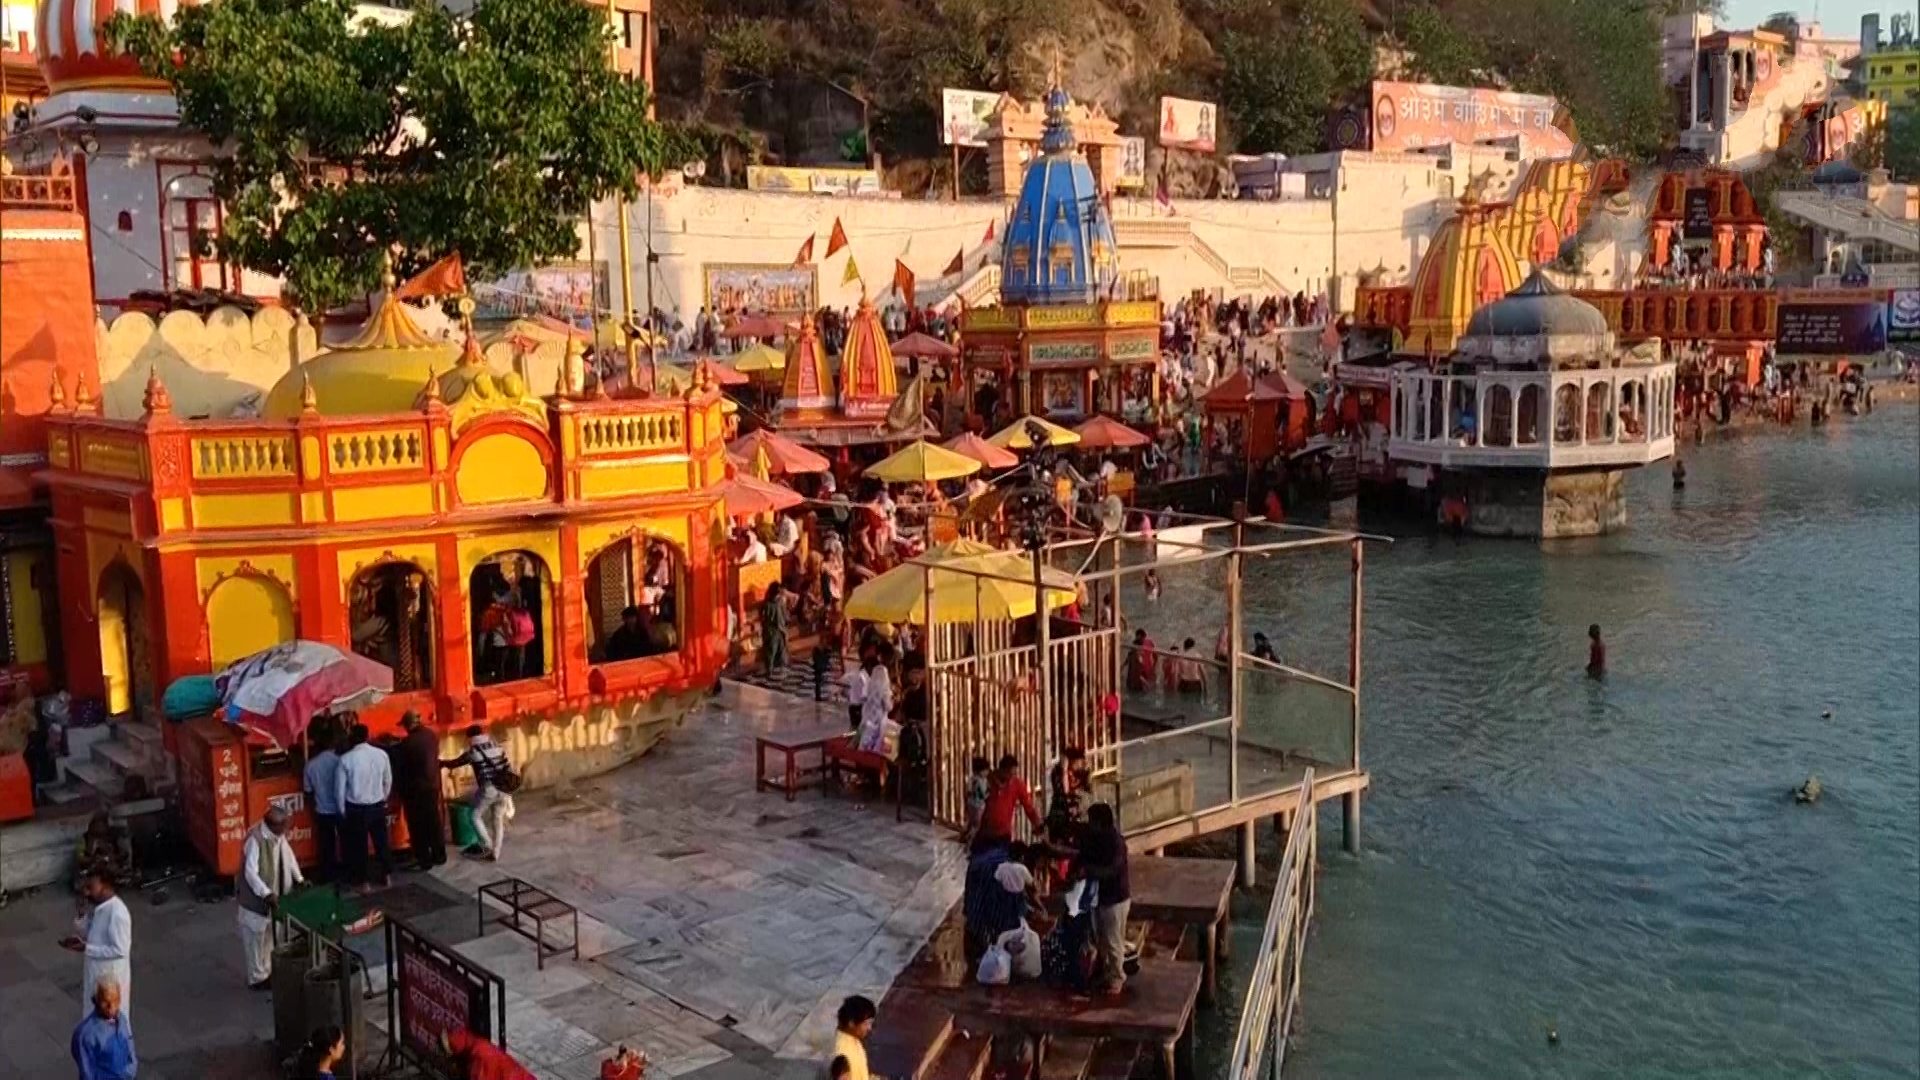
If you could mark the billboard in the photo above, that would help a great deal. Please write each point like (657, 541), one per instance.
(1410, 116)
(1133, 163)
(1831, 322)
(1188, 125)
(567, 291)
(767, 287)
(824, 180)
(1903, 317)
(964, 115)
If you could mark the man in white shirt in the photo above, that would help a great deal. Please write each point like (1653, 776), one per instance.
(105, 938)
(786, 536)
(856, 681)
(756, 551)
(268, 871)
(364, 784)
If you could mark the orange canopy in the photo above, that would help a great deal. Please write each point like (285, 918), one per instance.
(924, 347)
(745, 497)
(783, 455)
(1105, 431)
(1240, 391)
(982, 451)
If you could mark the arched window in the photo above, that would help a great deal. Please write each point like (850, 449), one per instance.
(1633, 411)
(1600, 412)
(508, 598)
(1436, 408)
(194, 221)
(1499, 430)
(1566, 413)
(634, 591)
(1466, 412)
(391, 619)
(1529, 434)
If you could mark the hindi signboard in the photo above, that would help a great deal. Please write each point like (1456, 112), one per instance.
(823, 180)
(437, 992)
(764, 287)
(1411, 116)
(1831, 322)
(1903, 317)
(1697, 218)
(965, 116)
(1188, 125)
(1133, 163)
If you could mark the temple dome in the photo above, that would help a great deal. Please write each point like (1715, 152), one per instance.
(807, 388)
(1467, 266)
(382, 370)
(868, 383)
(71, 45)
(1537, 322)
(1059, 246)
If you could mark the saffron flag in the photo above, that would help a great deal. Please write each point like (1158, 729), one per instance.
(903, 280)
(853, 272)
(837, 240)
(806, 252)
(958, 264)
(988, 239)
(444, 278)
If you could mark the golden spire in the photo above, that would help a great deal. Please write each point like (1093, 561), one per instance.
(156, 401)
(309, 400)
(430, 393)
(82, 397)
(58, 395)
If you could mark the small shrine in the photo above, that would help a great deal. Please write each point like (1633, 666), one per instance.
(858, 408)
(1016, 133)
(1710, 215)
(1071, 337)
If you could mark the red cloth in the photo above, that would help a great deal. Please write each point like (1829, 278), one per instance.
(1002, 801)
(484, 1060)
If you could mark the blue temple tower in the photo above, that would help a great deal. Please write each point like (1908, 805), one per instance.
(1072, 335)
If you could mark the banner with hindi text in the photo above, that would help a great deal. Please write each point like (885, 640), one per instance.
(1410, 116)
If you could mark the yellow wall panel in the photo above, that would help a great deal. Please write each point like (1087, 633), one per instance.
(501, 469)
(29, 632)
(595, 536)
(384, 501)
(245, 614)
(242, 511)
(644, 478)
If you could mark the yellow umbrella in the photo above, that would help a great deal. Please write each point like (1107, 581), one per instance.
(922, 462)
(960, 592)
(1014, 435)
(759, 358)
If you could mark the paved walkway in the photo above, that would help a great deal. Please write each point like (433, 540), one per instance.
(720, 927)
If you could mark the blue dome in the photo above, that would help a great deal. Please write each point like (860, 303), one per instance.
(1059, 246)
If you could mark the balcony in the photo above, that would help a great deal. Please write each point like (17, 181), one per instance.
(1605, 418)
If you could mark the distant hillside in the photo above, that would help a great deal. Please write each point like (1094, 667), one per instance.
(792, 74)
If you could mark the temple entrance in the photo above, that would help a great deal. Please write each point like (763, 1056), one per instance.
(508, 596)
(126, 646)
(634, 586)
(391, 620)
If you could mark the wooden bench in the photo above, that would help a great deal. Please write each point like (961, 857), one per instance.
(844, 756)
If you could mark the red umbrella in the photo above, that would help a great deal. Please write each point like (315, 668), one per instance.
(756, 326)
(723, 374)
(747, 497)
(277, 691)
(982, 451)
(926, 348)
(784, 456)
(1104, 431)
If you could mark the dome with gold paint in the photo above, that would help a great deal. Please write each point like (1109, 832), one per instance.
(381, 370)
(807, 388)
(1467, 267)
(868, 383)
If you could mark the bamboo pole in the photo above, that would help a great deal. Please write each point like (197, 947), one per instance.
(1350, 805)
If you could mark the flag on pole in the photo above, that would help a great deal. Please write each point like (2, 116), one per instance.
(448, 277)
(958, 264)
(853, 272)
(988, 239)
(806, 252)
(903, 280)
(837, 240)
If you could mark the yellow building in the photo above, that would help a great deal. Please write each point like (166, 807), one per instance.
(1894, 77)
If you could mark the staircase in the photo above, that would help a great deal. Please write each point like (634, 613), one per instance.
(1853, 219)
(100, 760)
(1173, 232)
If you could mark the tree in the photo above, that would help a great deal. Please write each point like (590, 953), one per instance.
(1900, 142)
(1284, 63)
(1442, 51)
(488, 133)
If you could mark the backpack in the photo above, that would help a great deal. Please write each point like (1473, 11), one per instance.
(506, 781)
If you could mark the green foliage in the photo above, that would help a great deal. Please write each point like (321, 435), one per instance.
(1441, 51)
(1900, 146)
(1284, 64)
(488, 134)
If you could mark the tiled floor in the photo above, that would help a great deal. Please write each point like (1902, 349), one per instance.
(720, 927)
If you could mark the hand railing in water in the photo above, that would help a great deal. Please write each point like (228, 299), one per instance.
(1273, 990)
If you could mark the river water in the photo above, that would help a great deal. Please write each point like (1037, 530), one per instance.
(1621, 861)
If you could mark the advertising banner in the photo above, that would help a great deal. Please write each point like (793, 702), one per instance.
(824, 180)
(1831, 322)
(1903, 317)
(1133, 163)
(1188, 125)
(564, 291)
(1409, 116)
(964, 115)
(764, 287)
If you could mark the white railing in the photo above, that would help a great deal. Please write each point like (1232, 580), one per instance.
(1849, 217)
(1273, 989)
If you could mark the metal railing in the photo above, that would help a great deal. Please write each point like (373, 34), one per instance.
(1273, 989)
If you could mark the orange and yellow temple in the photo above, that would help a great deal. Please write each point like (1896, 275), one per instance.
(395, 489)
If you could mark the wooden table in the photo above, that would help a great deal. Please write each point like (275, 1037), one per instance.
(1190, 892)
(789, 744)
(1156, 1007)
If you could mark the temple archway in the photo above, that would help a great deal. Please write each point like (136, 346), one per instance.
(126, 644)
(391, 619)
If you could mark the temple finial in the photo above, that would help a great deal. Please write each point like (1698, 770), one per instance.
(309, 400)
(156, 400)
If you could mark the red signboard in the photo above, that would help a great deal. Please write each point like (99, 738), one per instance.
(438, 993)
(1409, 116)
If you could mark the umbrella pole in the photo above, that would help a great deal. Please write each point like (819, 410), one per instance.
(1043, 631)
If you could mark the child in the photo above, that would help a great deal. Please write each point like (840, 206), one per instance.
(1153, 585)
(841, 1069)
(979, 785)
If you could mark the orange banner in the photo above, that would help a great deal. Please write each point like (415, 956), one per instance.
(1409, 116)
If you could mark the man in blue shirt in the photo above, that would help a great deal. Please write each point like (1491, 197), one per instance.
(321, 781)
(102, 1044)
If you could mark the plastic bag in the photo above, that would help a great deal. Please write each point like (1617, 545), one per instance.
(996, 967)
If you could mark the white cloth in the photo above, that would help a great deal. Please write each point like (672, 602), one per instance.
(108, 931)
(492, 809)
(857, 686)
(756, 552)
(875, 704)
(1012, 876)
(366, 778)
(1022, 946)
(256, 944)
(250, 864)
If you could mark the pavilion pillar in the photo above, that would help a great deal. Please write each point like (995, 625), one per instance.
(1248, 859)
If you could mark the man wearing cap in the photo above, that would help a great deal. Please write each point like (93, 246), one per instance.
(418, 781)
(268, 871)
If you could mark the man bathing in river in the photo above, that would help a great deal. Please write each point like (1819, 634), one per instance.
(1596, 653)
